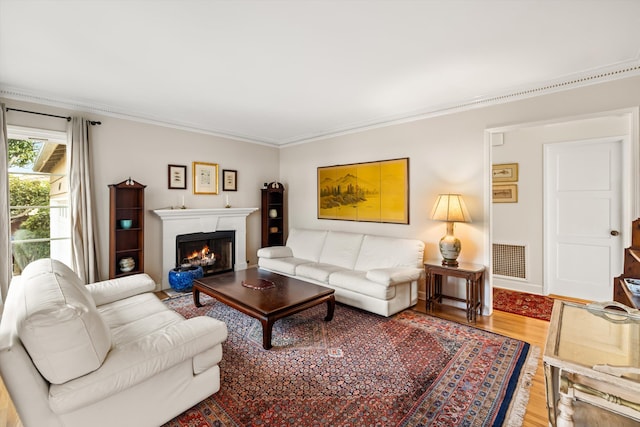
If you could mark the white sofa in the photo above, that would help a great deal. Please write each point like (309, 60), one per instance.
(106, 354)
(374, 273)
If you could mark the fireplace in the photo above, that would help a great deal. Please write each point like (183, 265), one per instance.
(183, 221)
(213, 251)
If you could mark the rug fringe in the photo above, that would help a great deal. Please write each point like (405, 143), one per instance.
(515, 417)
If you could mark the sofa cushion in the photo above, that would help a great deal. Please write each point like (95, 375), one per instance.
(275, 252)
(393, 276)
(317, 271)
(356, 281)
(306, 244)
(281, 265)
(59, 324)
(384, 252)
(341, 249)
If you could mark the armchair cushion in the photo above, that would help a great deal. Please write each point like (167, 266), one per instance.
(136, 361)
(59, 324)
(124, 287)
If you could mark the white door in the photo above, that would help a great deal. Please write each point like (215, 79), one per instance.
(583, 216)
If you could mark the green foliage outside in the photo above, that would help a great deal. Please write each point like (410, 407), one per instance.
(27, 223)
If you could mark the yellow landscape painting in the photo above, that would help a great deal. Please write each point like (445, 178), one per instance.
(373, 191)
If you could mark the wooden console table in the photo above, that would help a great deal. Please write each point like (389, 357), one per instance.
(592, 366)
(473, 273)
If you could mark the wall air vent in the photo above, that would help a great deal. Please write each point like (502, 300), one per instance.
(510, 260)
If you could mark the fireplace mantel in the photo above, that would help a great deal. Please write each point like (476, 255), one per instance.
(184, 221)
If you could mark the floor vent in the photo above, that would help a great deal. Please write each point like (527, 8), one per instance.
(509, 260)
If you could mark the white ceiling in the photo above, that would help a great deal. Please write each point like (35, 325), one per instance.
(281, 72)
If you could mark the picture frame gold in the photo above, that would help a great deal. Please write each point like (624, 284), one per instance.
(205, 178)
(229, 180)
(505, 193)
(505, 172)
(177, 177)
(367, 192)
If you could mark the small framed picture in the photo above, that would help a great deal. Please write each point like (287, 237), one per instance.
(507, 193)
(177, 175)
(205, 178)
(506, 172)
(229, 180)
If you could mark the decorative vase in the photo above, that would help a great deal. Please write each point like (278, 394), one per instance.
(273, 213)
(181, 279)
(126, 223)
(127, 264)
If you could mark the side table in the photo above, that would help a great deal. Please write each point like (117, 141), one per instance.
(473, 273)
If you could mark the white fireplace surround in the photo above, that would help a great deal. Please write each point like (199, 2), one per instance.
(184, 221)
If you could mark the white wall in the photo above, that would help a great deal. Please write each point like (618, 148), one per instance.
(124, 148)
(447, 154)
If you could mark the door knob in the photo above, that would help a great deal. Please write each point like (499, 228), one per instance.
(615, 233)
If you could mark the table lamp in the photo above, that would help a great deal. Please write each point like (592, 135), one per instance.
(450, 208)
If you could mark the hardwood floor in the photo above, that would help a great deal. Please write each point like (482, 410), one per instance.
(523, 328)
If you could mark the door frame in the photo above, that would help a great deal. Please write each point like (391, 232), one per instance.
(631, 162)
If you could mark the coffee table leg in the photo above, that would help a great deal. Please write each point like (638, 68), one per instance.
(267, 327)
(331, 305)
(196, 297)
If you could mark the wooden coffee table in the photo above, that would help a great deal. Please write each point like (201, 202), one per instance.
(287, 297)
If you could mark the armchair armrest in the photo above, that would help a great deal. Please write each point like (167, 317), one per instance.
(275, 252)
(394, 275)
(124, 287)
(139, 360)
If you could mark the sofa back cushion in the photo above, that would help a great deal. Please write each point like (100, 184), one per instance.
(58, 323)
(386, 252)
(306, 244)
(341, 249)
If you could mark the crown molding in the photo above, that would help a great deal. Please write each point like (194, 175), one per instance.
(591, 77)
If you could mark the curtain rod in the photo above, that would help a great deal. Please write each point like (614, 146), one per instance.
(67, 118)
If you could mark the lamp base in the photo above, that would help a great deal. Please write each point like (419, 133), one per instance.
(450, 263)
(450, 247)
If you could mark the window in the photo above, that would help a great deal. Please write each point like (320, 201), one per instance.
(38, 196)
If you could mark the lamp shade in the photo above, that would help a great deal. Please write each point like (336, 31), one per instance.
(450, 208)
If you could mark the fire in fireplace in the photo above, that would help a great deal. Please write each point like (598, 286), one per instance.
(212, 251)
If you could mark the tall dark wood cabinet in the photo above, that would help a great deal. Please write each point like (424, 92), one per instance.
(621, 292)
(273, 215)
(126, 228)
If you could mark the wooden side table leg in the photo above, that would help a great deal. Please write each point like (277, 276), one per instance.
(469, 296)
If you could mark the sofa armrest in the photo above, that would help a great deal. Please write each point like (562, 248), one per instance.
(138, 361)
(394, 276)
(124, 287)
(275, 252)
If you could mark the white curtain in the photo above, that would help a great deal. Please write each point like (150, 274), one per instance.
(6, 263)
(83, 242)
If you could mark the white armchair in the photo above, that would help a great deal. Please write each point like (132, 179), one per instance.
(109, 353)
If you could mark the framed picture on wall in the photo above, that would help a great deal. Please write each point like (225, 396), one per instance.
(371, 191)
(177, 175)
(506, 193)
(205, 178)
(229, 180)
(506, 172)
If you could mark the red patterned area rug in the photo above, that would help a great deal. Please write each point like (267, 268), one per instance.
(530, 305)
(361, 369)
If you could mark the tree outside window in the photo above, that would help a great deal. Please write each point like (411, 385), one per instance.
(38, 198)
